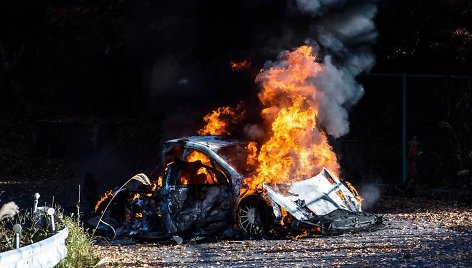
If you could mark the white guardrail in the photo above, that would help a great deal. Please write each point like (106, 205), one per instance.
(45, 253)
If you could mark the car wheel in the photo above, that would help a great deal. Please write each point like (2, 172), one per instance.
(250, 217)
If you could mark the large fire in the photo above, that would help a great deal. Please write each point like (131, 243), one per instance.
(296, 147)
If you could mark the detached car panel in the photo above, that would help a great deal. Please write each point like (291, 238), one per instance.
(321, 194)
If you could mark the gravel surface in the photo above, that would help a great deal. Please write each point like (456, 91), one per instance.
(417, 232)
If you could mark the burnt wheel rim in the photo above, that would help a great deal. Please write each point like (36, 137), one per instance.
(249, 219)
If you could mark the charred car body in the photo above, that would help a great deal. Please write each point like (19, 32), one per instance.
(203, 193)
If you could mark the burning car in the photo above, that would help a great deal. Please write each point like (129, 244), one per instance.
(284, 181)
(203, 191)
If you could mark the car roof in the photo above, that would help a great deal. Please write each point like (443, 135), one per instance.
(212, 142)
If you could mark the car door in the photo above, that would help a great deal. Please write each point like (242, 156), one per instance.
(196, 198)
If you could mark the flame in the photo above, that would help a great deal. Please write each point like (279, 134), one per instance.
(198, 156)
(341, 195)
(283, 220)
(136, 196)
(215, 124)
(157, 184)
(205, 177)
(219, 120)
(184, 180)
(138, 215)
(240, 66)
(297, 148)
(302, 234)
(306, 233)
(354, 192)
(251, 153)
(104, 197)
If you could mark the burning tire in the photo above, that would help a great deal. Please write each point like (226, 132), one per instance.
(252, 217)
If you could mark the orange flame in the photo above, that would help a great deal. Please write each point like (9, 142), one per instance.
(215, 124)
(297, 148)
(202, 172)
(104, 197)
(219, 120)
(198, 156)
(184, 180)
(240, 66)
(251, 153)
(157, 184)
(354, 191)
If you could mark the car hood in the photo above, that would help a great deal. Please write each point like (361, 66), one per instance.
(318, 195)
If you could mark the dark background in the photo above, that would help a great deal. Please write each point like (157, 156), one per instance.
(93, 87)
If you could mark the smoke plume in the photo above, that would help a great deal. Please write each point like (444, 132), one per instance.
(371, 194)
(345, 32)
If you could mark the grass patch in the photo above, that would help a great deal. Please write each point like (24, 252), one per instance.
(79, 246)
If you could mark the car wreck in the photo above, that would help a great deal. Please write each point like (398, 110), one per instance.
(202, 193)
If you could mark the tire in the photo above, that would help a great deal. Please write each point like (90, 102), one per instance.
(252, 217)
